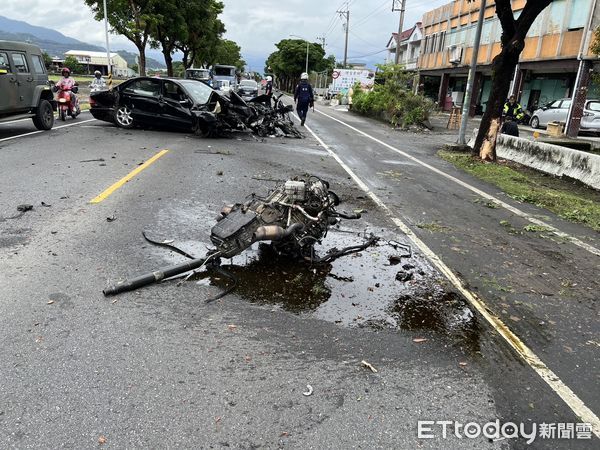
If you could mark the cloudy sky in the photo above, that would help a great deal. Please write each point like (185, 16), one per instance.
(256, 25)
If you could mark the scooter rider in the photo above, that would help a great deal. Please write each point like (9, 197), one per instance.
(98, 83)
(303, 97)
(67, 84)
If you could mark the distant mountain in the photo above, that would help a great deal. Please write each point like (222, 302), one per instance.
(55, 43)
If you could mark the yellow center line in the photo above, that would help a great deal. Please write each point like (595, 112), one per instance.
(105, 194)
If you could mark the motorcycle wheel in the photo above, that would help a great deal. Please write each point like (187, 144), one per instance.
(63, 115)
(123, 117)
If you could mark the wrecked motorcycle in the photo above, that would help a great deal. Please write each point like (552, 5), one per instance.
(294, 217)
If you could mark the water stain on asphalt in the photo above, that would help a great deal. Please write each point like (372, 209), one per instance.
(378, 288)
(360, 290)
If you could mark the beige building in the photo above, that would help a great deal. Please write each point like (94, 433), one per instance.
(98, 61)
(555, 46)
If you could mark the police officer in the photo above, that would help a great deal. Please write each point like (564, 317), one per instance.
(512, 109)
(303, 97)
(269, 86)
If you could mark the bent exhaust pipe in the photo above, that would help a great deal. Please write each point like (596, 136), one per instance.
(275, 232)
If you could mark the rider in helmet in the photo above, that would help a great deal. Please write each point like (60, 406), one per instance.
(269, 86)
(98, 82)
(67, 83)
(303, 97)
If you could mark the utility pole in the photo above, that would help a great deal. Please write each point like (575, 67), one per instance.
(402, 4)
(466, 107)
(109, 66)
(346, 15)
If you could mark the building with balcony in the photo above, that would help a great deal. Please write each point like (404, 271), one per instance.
(98, 61)
(556, 43)
(408, 44)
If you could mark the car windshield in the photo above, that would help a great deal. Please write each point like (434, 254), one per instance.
(199, 91)
(248, 83)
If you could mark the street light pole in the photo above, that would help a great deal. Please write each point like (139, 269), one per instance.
(466, 107)
(306, 66)
(307, 44)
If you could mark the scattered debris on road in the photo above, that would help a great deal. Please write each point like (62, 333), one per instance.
(309, 390)
(24, 208)
(419, 340)
(368, 366)
(111, 218)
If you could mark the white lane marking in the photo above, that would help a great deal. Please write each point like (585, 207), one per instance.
(44, 131)
(555, 383)
(29, 118)
(483, 194)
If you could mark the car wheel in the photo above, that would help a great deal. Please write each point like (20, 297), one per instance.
(535, 122)
(123, 117)
(44, 116)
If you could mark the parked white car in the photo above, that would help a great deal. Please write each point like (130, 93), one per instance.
(557, 111)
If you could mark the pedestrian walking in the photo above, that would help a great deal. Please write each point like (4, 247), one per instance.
(303, 97)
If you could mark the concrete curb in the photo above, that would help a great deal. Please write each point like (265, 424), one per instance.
(552, 159)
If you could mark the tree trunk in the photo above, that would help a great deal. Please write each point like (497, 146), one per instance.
(142, 61)
(503, 67)
(168, 62)
(184, 59)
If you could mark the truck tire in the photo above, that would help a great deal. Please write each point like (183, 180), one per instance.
(44, 116)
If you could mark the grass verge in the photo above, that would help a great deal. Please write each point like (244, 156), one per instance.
(568, 199)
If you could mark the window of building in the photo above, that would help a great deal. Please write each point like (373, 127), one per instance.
(38, 64)
(579, 14)
(20, 62)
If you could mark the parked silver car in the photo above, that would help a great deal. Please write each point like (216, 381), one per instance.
(557, 111)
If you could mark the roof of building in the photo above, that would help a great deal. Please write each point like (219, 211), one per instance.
(90, 54)
(406, 34)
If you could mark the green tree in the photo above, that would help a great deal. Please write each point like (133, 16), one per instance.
(131, 18)
(47, 60)
(72, 63)
(225, 52)
(178, 69)
(204, 31)
(289, 60)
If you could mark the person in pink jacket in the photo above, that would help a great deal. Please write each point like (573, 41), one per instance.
(66, 83)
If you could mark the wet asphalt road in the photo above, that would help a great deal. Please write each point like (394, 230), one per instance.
(159, 368)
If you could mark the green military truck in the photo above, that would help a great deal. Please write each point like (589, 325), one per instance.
(24, 88)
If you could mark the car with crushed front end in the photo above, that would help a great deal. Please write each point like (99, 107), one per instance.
(24, 89)
(161, 102)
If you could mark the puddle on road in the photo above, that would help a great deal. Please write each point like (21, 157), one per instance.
(362, 290)
(373, 289)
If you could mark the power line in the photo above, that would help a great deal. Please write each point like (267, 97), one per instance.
(368, 16)
(369, 54)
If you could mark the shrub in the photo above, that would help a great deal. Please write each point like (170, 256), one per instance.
(392, 100)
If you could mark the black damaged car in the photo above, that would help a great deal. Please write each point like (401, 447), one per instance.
(156, 102)
(190, 105)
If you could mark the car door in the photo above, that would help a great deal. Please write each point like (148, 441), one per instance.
(175, 106)
(142, 97)
(549, 113)
(9, 99)
(563, 111)
(25, 79)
